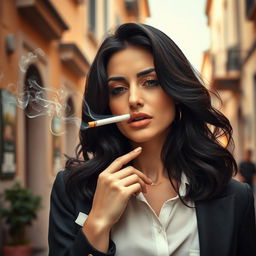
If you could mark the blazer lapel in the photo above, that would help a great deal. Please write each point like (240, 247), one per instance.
(215, 221)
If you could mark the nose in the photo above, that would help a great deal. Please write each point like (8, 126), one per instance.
(135, 97)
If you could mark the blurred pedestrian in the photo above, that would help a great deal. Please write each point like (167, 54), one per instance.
(247, 168)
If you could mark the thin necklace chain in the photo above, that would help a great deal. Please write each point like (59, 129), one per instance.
(155, 184)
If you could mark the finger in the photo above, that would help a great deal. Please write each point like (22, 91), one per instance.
(131, 170)
(122, 160)
(132, 179)
(133, 189)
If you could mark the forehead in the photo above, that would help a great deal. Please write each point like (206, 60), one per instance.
(129, 61)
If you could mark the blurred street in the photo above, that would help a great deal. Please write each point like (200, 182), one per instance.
(47, 48)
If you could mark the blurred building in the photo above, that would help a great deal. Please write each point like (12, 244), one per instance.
(229, 66)
(46, 47)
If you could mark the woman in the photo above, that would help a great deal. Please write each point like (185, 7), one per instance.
(159, 183)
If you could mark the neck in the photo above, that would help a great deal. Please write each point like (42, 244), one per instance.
(149, 161)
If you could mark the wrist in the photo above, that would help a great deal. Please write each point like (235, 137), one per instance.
(97, 233)
(97, 225)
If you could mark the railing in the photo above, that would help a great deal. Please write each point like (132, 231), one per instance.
(222, 64)
(219, 63)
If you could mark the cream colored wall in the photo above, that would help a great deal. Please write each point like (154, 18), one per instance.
(206, 70)
(248, 103)
(71, 11)
(76, 16)
(248, 37)
(144, 12)
(229, 101)
(40, 163)
(223, 31)
(217, 36)
(231, 31)
(248, 30)
(239, 31)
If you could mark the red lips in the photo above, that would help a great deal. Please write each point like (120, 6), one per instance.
(139, 116)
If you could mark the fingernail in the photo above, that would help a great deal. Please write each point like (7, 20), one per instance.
(137, 149)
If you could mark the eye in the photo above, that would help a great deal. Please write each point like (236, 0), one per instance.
(151, 83)
(116, 90)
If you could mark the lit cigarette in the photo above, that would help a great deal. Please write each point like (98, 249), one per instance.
(109, 120)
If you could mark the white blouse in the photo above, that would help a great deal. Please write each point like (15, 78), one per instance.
(141, 232)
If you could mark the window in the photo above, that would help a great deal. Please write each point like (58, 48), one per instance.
(92, 15)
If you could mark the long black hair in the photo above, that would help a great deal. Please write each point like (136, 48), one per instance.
(192, 145)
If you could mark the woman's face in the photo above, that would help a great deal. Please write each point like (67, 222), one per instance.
(134, 89)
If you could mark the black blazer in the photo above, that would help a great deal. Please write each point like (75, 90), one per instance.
(226, 225)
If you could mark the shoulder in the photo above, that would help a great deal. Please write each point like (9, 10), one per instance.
(237, 188)
(59, 182)
(244, 215)
(59, 191)
(235, 200)
(241, 192)
(59, 188)
(72, 200)
(235, 196)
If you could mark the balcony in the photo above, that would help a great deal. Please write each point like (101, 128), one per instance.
(224, 78)
(251, 9)
(43, 16)
(73, 58)
(226, 83)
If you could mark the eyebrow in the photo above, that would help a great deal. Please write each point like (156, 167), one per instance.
(142, 73)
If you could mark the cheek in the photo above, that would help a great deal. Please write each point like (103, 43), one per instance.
(118, 106)
(114, 108)
(166, 109)
(164, 103)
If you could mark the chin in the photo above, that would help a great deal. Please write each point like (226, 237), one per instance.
(142, 137)
(140, 140)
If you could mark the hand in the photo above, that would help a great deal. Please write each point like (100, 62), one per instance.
(114, 188)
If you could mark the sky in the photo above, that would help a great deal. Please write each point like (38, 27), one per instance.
(185, 22)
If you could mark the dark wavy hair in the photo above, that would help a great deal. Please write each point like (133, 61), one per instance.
(192, 145)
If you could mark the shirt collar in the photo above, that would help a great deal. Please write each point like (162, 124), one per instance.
(183, 184)
(182, 188)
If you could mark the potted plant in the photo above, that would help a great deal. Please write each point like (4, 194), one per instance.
(20, 211)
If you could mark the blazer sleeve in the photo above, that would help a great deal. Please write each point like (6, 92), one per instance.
(63, 237)
(247, 231)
